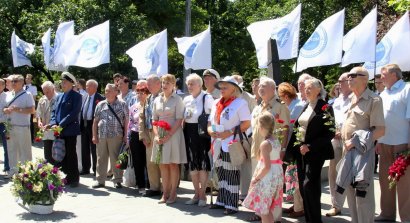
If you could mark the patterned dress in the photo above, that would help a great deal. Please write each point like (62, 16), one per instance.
(266, 195)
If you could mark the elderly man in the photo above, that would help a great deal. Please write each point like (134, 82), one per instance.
(19, 106)
(3, 120)
(340, 106)
(146, 135)
(65, 114)
(109, 132)
(281, 112)
(364, 113)
(126, 94)
(396, 108)
(86, 124)
(43, 114)
(211, 76)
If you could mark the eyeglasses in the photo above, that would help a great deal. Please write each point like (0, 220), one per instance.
(354, 75)
(142, 91)
(341, 81)
(14, 81)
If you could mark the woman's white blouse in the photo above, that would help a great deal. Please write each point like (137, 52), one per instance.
(193, 107)
(231, 116)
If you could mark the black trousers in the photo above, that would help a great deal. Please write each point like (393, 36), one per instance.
(139, 160)
(88, 148)
(309, 171)
(48, 145)
(69, 165)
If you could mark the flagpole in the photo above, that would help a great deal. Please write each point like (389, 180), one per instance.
(374, 58)
(187, 33)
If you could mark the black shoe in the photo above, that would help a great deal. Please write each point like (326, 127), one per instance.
(84, 172)
(74, 184)
(207, 190)
(118, 185)
(152, 193)
(109, 176)
(94, 174)
(97, 185)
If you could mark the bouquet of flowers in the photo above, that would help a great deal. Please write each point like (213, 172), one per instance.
(278, 133)
(298, 134)
(398, 168)
(40, 134)
(37, 182)
(328, 116)
(163, 128)
(122, 161)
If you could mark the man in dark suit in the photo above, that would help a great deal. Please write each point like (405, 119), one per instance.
(65, 114)
(86, 123)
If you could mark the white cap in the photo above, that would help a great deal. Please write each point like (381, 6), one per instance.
(212, 72)
(68, 76)
(231, 80)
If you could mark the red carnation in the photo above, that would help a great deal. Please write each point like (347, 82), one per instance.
(280, 121)
(37, 139)
(56, 134)
(292, 121)
(118, 166)
(324, 107)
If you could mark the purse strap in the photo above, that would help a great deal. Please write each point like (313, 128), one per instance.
(237, 131)
(15, 98)
(203, 104)
(116, 116)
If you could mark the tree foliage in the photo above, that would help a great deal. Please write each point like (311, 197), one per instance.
(133, 21)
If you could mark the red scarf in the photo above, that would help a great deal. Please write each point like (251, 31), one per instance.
(220, 106)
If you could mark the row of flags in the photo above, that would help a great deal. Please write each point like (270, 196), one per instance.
(326, 43)
(325, 46)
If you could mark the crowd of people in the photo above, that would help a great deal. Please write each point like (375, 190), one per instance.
(281, 125)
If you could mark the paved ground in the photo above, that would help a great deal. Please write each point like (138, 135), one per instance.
(84, 204)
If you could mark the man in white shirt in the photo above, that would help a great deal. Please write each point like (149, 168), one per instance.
(20, 105)
(211, 76)
(396, 109)
(340, 106)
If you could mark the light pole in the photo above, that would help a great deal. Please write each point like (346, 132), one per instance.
(187, 33)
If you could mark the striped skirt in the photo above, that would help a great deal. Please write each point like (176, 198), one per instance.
(228, 182)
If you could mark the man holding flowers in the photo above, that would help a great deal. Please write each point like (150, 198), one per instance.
(396, 109)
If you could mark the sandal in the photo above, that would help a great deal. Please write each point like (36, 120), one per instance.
(215, 206)
(254, 218)
(230, 212)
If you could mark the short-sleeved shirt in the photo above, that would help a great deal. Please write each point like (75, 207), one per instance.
(31, 88)
(365, 113)
(24, 101)
(231, 116)
(130, 98)
(215, 93)
(108, 125)
(133, 124)
(168, 110)
(396, 108)
(277, 109)
(44, 108)
(340, 106)
(194, 107)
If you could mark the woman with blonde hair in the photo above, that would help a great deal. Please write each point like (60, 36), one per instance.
(168, 106)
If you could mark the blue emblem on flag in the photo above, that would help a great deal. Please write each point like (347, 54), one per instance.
(90, 48)
(190, 52)
(382, 54)
(21, 50)
(315, 44)
(152, 58)
(283, 37)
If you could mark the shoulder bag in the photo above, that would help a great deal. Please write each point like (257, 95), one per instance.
(203, 121)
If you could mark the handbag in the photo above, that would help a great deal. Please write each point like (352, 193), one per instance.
(237, 151)
(203, 121)
(58, 150)
(129, 174)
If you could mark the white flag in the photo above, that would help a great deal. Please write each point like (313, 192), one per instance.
(286, 32)
(150, 56)
(196, 50)
(62, 46)
(324, 46)
(360, 42)
(393, 48)
(19, 50)
(45, 41)
(91, 48)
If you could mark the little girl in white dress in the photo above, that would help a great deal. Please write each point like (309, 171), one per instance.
(266, 190)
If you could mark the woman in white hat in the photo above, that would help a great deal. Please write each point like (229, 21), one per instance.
(227, 113)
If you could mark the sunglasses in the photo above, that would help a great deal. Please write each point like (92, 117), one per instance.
(141, 91)
(342, 81)
(14, 81)
(355, 75)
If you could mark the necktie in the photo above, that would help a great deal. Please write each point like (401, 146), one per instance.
(87, 104)
(26, 87)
